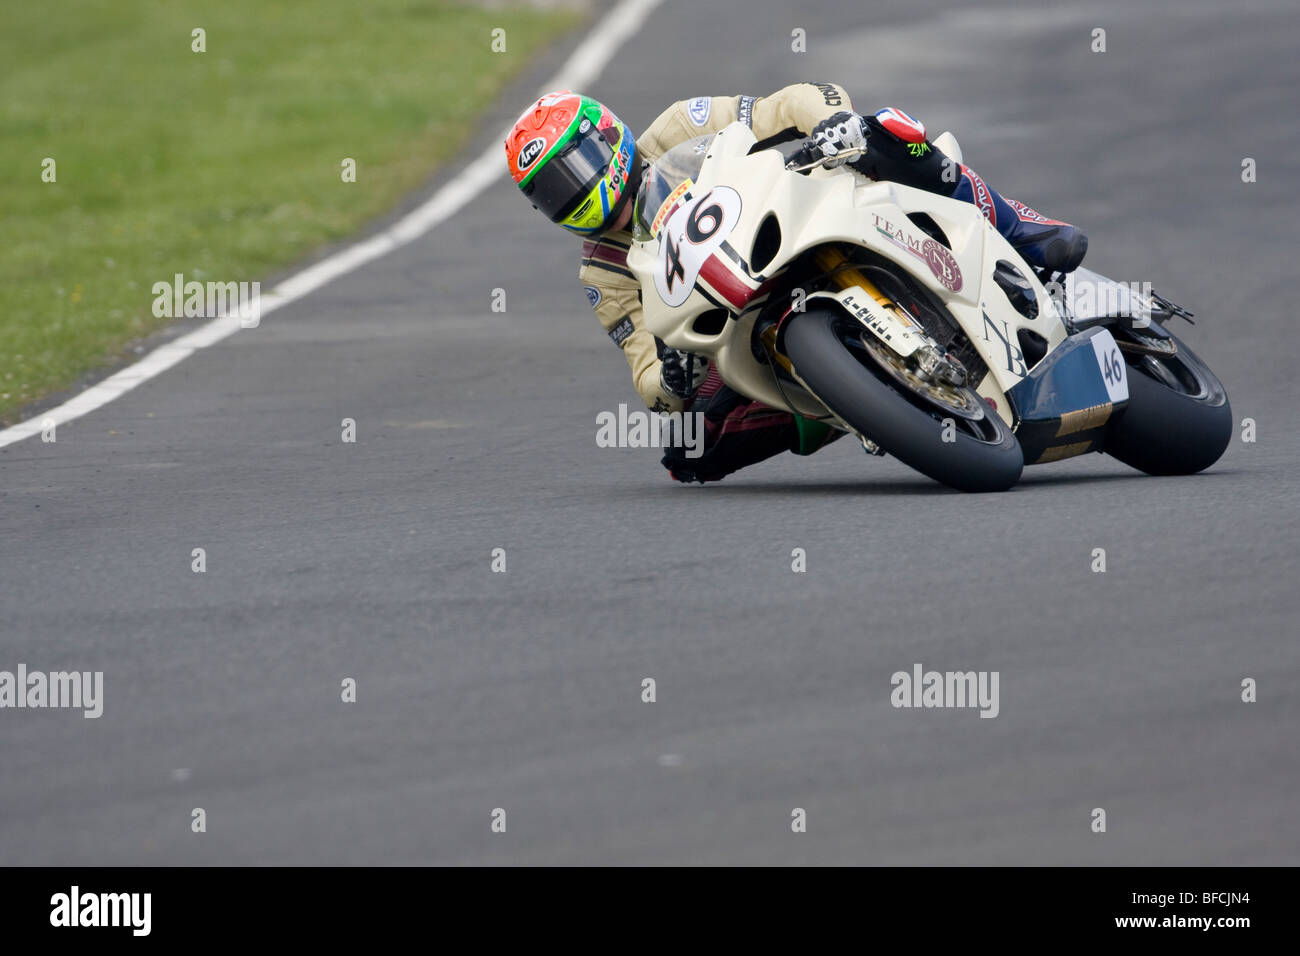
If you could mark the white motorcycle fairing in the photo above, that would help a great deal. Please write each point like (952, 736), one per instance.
(708, 253)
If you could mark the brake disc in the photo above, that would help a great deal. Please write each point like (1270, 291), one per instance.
(961, 402)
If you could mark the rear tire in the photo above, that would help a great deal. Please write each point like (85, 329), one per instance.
(1177, 421)
(984, 456)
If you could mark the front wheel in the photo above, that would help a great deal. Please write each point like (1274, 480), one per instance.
(1178, 420)
(944, 432)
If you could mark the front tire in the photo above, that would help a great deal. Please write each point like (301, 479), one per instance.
(1177, 421)
(983, 455)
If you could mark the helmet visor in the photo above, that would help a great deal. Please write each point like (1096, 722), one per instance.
(560, 185)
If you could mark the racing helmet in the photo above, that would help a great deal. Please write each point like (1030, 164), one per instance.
(575, 161)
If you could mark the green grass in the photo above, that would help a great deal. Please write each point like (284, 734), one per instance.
(222, 165)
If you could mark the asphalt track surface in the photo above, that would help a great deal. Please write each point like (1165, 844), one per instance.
(476, 430)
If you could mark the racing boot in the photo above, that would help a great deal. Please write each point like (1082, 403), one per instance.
(1044, 243)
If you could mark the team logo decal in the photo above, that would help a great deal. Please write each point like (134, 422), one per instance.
(532, 149)
(942, 263)
(937, 257)
(699, 109)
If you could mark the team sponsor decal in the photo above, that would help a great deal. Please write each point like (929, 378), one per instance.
(622, 329)
(868, 318)
(830, 94)
(586, 125)
(935, 255)
(593, 295)
(698, 109)
(983, 199)
(668, 205)
(1084, 419)
(691, 233)
(1025, 214)
(1014, 357)
(745, 111)
(532, 149)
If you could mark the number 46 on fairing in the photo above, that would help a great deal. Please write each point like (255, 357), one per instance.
(691, 234)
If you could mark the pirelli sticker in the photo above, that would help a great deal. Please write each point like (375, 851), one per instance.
(622, 330)
(668, 205)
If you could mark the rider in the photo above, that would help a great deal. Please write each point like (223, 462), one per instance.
(581, 165)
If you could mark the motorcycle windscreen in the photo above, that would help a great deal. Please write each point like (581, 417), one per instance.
(670, 176)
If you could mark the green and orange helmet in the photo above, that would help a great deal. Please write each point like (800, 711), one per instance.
(575, 160)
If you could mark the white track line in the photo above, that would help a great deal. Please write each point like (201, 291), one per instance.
(582, 67)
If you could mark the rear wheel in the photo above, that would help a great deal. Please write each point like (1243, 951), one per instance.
(1178, 420)
(944, 432)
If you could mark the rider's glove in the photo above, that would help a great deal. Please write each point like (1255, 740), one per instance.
(682, 373)
(839, 133)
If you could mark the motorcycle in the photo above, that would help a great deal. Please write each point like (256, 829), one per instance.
(904, 318)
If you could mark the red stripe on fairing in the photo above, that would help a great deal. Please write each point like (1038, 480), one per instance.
(725, 283)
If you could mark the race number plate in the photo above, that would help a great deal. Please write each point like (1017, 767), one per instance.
(691, 234)
(1111, 362)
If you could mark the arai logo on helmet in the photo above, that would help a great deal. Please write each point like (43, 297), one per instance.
(532, 149)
